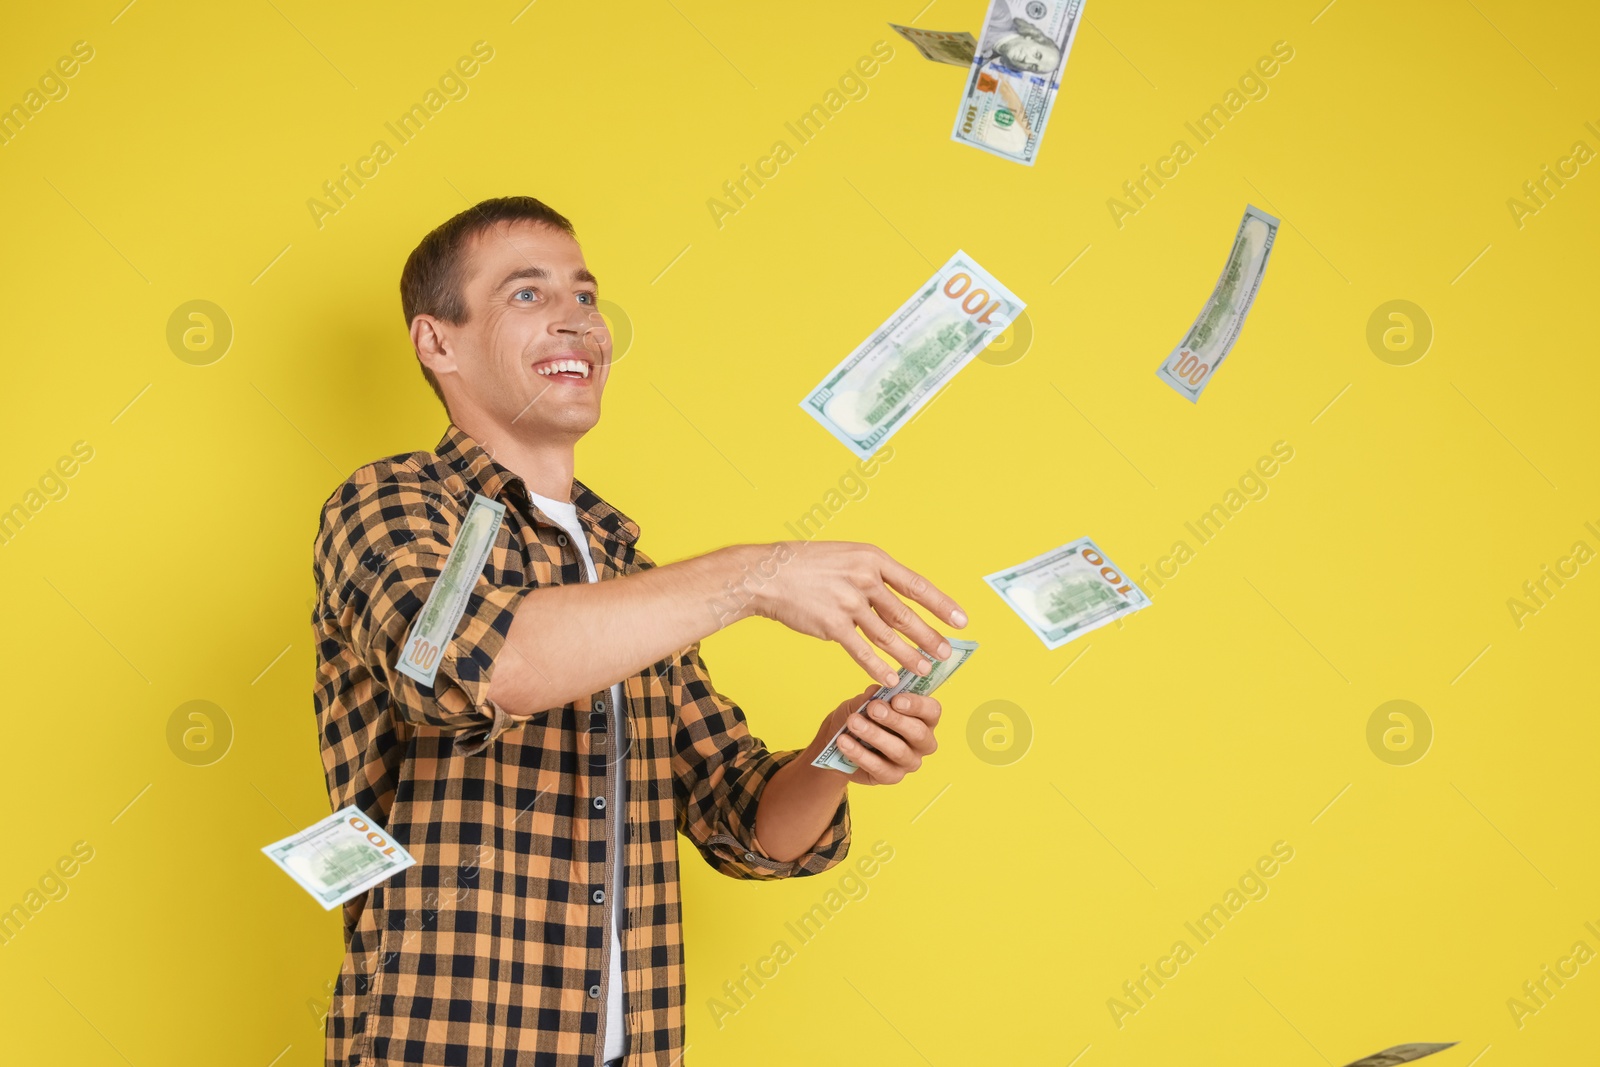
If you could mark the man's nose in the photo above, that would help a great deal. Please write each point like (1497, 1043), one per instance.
(574, 319)
(586, 322)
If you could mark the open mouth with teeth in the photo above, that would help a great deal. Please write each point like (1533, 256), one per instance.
(570, 369)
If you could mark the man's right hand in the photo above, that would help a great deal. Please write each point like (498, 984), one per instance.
(842, 590)
(571, 639)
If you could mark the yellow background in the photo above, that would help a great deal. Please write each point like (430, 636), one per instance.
(1164, 761)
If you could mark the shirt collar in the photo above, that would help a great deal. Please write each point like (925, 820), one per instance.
(461, 453)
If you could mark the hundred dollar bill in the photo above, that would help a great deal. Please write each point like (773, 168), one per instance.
(941, 46)
(1068, 591)
(891, 374)
(339, 857)
(1015, 75)
(1390, 1057)
(830, 758)
(447, 600)
(1190, 366)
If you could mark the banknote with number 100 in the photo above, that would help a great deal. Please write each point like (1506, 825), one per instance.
(1015, 75)
(339, 857)
(436, 623)
(909, 681)
(1064, 593)
(894, 372)
(1191, 366)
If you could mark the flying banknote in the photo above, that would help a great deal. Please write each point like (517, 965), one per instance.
(1392, 1057)
(891, 374)
(339, 857)
(1192, 364)
(1015, 75)
(941, 46)
(1068, 591)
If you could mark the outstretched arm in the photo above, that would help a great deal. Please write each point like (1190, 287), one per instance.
(568, 641)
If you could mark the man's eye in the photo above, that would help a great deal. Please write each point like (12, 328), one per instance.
(530, 293)
(588, 296)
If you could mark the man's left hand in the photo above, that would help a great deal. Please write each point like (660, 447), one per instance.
(901, 731)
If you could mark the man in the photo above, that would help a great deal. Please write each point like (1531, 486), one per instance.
(570, 729)
(1027, 48)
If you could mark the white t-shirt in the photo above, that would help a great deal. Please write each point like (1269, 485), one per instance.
(565, 513)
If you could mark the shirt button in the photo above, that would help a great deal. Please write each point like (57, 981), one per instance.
(599, 896)
(594, 992)
(751, 856)
(600, 803)
(599, 705)
(561, 539)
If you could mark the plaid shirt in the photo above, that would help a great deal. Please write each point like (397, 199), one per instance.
(494, 948)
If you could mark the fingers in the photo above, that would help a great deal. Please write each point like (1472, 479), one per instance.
(915, 728)
(912, 717)
(881, 770)
(882, 634)
(882, 617)
(899, 736)
(909, 583)
(850, 705)
(862, 653)
(894, 613)
(893, 747)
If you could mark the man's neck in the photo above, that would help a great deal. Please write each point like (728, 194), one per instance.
(545, 465)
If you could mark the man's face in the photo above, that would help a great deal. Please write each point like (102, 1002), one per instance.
(530, 305)
(1023, 53)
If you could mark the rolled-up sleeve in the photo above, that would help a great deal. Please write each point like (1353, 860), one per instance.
(381, 548)
(719, 772)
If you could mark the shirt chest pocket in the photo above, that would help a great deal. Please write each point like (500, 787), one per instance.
(526, 554)
(519, 557)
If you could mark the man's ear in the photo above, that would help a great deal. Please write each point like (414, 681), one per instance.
(433, 346)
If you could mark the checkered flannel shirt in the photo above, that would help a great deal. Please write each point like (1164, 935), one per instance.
(493, 949)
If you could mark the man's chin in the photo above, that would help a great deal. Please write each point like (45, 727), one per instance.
(567, 420)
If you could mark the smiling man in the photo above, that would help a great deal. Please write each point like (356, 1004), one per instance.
(570, 730)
